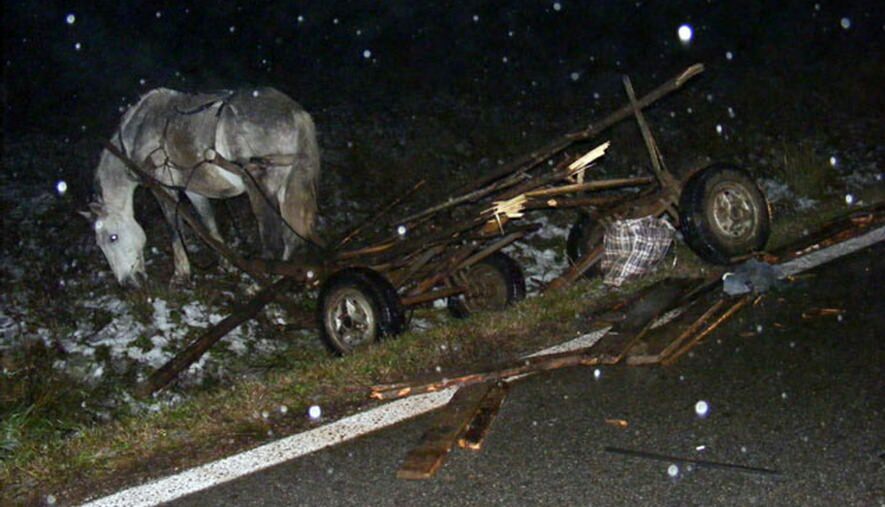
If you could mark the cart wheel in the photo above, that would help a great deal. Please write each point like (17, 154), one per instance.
(583, 237)
(492, 284)
(723, 214)
(357, 307)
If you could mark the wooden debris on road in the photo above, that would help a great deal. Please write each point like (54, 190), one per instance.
(673, 356)
(822, 312)
(475, 433)
(580, 357)
(617, 423)
(427, 457)
(641, 313)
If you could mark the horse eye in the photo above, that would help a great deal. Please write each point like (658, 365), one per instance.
(113, 238)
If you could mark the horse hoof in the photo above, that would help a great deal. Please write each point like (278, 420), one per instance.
(180, 282)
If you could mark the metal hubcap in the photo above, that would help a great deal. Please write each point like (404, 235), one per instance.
(733, 211)
(351, 319)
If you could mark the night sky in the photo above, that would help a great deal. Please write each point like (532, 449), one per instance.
(69, 67)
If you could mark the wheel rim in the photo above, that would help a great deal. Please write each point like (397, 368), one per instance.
(733, 211)
(350, 318)
(486, 289)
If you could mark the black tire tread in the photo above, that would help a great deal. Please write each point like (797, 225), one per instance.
(693, 223)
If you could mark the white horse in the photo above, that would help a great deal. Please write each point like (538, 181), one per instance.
(171, 132)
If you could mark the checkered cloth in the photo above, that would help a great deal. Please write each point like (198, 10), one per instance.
(634, 247)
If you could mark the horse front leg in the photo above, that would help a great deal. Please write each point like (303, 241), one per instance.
(207, 215)
(182, 273)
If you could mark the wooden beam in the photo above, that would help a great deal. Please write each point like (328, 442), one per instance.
(675, 355)
(590, 186)
(478, 429)
(423, 461)
(166, 373)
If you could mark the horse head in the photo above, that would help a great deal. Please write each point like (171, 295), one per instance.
(122, 241)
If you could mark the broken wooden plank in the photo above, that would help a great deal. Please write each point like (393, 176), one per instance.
(166, 373)
(671, 358)
(664, 340)
(427, 457)
(546, 362)
(476, 432)
(641, 313)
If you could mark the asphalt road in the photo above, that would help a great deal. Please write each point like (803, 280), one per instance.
(802, 396)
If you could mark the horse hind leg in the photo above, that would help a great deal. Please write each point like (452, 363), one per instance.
(270, 227)
(299, 208)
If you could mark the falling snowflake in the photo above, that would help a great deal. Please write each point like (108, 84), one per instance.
(685, 33)
(283, 409)
(78, 46)
(61, 187)
(367, 54)
(504, 59)
(719, 129)
(301, 19)
(314, 412)
(575, 76)
(255, 93)
(557, 6)
(232, 29)
(845, 23)
(401, 231)
(159, 14)
(597, 374)
(849, 199)
(476, 18)
(672, 470)
(729, 55)
(701, 408)
(70, 19)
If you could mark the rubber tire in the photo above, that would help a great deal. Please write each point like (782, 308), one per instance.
(697, 226)
(582, 232)
(390, 318)
(510, 273)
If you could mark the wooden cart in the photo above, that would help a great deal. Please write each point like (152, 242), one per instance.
(453, 249)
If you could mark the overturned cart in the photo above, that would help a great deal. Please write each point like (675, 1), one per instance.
(452, 250)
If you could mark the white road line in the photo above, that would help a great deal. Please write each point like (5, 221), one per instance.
(825, 255)
(286, 449)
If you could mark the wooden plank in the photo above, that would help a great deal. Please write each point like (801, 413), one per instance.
(641, 313)
(479, 427)
(661, 341)
(243, 312)
(671, 357)
(427, 457)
